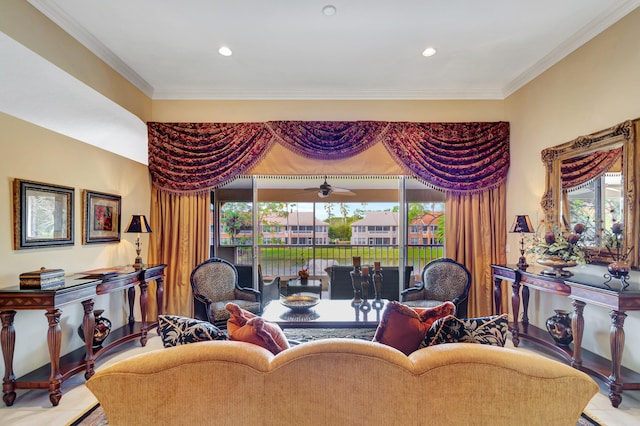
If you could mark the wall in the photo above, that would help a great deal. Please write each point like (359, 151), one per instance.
(594, 88)
(33, 153)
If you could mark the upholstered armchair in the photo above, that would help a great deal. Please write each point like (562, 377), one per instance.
(269, 290)
(214, 284)
(442, 280)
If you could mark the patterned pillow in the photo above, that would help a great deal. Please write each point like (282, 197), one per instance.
(403, 327)
(487, 330)
(176, 330)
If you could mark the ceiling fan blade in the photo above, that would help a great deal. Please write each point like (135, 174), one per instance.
(343, 192)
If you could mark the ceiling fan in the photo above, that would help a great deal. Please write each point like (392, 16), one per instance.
(325, 189)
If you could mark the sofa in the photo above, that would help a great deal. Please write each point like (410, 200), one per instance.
(340, 286)
(340, 382)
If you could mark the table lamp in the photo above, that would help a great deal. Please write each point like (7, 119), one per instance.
(139, 225)
(522, 224)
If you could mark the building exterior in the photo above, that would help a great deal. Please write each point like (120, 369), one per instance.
(423, 230)
(375, 229)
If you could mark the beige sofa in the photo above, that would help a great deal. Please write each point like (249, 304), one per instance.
(340, 382)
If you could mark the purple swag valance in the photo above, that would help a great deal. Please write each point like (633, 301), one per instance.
(580, 170)
(458, 157)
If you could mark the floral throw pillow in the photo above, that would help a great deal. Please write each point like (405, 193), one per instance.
(176, 330)
(490, 330)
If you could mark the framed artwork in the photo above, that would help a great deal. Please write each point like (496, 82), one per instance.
(101, 217)
(42, 215)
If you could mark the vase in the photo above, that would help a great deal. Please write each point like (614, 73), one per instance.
(304, 280)
(101, 329)
(555, 266)
(618, 268)
(559, 327)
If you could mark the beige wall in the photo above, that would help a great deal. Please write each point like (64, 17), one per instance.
(594, 88)
(33, 153)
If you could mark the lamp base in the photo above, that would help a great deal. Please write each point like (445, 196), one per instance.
(522, 264)
(137, 265)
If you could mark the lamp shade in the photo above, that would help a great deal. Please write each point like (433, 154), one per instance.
(522, 223)
(138, 224)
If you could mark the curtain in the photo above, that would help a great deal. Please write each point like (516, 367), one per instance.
(476, 235)
(198, 157)
(469, 160)
(179, 238)
(580, 170)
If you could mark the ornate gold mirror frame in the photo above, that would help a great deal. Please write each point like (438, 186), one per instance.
(621, 135)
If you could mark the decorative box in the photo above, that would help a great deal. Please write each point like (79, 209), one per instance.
(43, 278)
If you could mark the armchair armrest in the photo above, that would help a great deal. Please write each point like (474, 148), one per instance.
(246, 293)
(201, 307)
(413, 293)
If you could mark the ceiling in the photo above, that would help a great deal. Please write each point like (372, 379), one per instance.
(287, 49)
(369, 49)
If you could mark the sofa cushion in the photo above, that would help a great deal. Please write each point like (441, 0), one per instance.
(490, 330)
(247, 327)
(176, 330)
(404, 328)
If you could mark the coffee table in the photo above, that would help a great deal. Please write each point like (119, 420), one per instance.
(326, 314)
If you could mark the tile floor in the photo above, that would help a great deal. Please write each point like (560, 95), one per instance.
(33, 407)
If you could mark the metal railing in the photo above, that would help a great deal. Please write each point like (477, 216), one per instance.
(287, 260)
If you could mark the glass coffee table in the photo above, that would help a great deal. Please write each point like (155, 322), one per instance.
(326, 314)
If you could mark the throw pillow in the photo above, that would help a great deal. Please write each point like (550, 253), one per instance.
(245, 326)
(176, 330)
(490, 330)
(404, 327)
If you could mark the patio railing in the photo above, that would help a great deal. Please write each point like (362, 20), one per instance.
(287, 260)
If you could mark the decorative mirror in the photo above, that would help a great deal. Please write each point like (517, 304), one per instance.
(592, 180)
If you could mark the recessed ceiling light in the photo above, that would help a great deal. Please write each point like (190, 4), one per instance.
(225, 51)
(329, 10)
(429, 51)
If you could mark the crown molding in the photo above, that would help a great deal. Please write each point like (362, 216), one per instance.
(581, 37)
(78, 32)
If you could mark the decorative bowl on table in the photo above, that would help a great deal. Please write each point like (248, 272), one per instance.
(299, 302)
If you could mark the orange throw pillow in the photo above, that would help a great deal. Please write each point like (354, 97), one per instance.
(245, 326)
(404, 328)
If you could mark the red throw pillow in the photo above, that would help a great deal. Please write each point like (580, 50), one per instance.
(404, 327)
(245, 326)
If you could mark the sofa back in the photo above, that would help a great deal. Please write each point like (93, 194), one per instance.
(340, 286)
(340, 382)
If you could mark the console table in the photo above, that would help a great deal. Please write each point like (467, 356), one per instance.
(585, 286)
(80, 288)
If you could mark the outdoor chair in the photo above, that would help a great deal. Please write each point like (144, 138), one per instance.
(442, 280)
(215, 283)
(269, 290)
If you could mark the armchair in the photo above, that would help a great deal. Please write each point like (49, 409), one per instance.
(269, 290)
(215, 283)
(442, 280)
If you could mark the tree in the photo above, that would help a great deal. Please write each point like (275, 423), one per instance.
(235, 217)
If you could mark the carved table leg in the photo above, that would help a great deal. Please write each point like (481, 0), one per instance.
(515, 305)
(144, 301)
(159, 294)
(577, 329)
(525, 309)
(131, 294)
(8, 341)
(616, 338)
(88, 327)
(497, 294)
(54, 337)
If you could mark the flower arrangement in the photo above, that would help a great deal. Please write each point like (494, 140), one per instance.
(558, 245)
(303, 273)
(614, 242)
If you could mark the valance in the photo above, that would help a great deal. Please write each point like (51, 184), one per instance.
(458, 157)
(580, 170)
